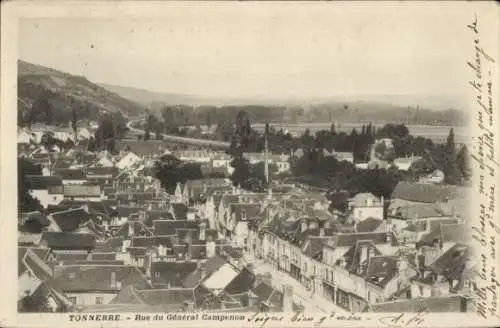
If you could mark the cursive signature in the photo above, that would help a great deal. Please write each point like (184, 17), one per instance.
(404, 319)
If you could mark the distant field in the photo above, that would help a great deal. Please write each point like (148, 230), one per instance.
(435, 132)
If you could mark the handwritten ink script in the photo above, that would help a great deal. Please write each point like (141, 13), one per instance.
(484, 229)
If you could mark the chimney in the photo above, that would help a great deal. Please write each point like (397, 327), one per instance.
(113, 280)
(202, 231)
(287, 298)
(321, 232)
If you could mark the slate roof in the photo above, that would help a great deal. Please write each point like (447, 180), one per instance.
(268, 294)
(165, 273)
(158, 300)
(62, 240)
(381, 270)
(427, 193)
(210, 266)
(111, 244)
(71, 219)
(70, 174)
(179, 210)
(349, 239)
(126, 211)
(457, 233)
(97, 278)
(35, 216)
(368, 225)
(39, 182)
(452, 263)
(250, 210)
(140, 229)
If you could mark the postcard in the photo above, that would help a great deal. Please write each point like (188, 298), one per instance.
(249, 164)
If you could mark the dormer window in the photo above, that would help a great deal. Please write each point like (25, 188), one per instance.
(243, 215)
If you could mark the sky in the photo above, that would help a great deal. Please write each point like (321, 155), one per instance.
(323, 50)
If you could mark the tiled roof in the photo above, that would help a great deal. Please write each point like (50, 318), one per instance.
(427, 193)
(169, 227)
(97, 278)
(381, 270)
(39, 182)
(75, 190)
(62, 240)
(70, 174)
(266, 293)
(102, 171)
(170, 273)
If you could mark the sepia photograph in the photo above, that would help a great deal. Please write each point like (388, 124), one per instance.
(214, 159)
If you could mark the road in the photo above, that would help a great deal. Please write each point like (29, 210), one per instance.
(311, 303)
(184, 140)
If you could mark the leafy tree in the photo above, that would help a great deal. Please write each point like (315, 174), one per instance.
(170, 171)
(26, 203)
(463, 162)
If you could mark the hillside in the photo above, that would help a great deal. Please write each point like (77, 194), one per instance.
(146, 97)
(44, 89)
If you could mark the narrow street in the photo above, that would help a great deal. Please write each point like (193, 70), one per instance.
(312, 303)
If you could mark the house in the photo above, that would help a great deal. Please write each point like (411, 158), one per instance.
(68, 241)
(82, 192)
(452, 272)
(437, 177)
(166, 300)
(47, 189)
(84, 133)
(104, 175)
(405, 163)
(221, 160)
(96, 284)
(32, 222)
(194, 156)
(366, 205)
(127, 161)
(344, 156)
(71, 176)
(410, 192)
(35, 292)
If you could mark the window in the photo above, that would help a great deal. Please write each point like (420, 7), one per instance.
(73, 299)
(157, 274)
(99, 300)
